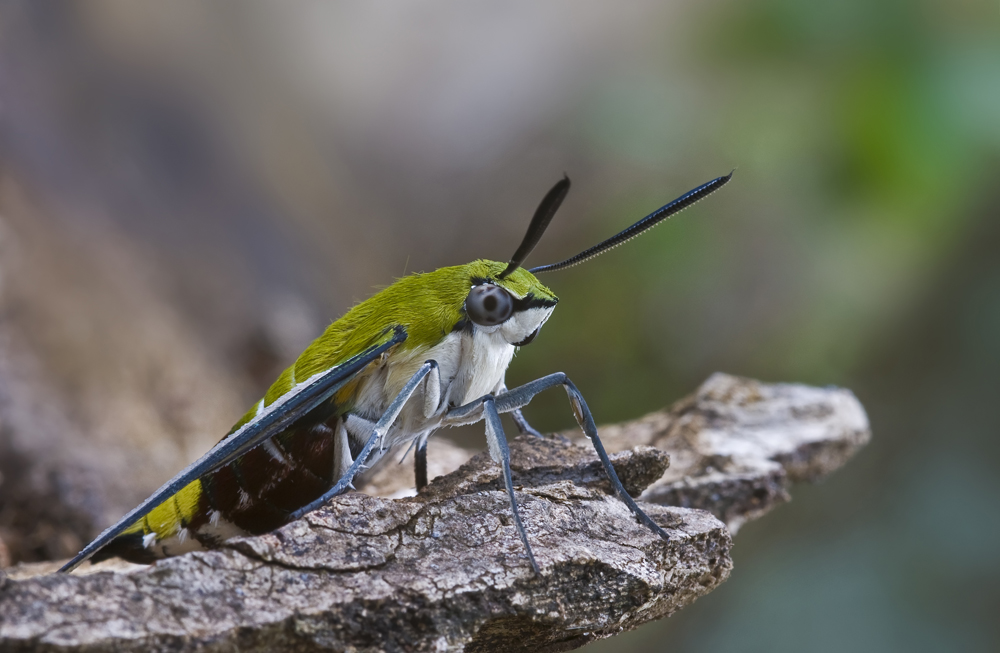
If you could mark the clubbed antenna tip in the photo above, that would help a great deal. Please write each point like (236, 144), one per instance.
(543, 216)
(647, 223)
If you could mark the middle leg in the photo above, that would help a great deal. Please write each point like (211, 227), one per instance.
(378, 433)
(420, 464)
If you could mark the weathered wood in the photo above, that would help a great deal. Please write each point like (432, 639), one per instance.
(446, 571)
(736, 445)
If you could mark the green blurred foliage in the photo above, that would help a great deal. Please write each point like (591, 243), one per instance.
(868, 132)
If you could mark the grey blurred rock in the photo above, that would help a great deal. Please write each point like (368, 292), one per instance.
(105, 387)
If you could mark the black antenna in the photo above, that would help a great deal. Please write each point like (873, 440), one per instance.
(543, 216)
(650, 221)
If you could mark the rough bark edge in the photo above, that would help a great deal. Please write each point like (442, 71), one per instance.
(446, 571)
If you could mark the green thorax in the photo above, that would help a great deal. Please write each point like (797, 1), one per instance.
(428, 304)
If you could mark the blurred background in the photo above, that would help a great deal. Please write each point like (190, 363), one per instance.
(189, 193)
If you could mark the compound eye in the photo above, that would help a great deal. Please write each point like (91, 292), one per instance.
(489, 305)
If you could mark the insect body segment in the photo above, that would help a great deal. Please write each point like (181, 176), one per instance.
(429, 351)
(255, 493)
(266, 485)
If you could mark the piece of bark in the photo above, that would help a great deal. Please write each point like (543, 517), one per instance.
(441, 571)
(737, 445)
(446, 571)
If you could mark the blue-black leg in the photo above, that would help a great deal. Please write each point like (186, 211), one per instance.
(523, 427)
(500, 453)
(520, 396)
(420, 464)
(522, 424)
(378, 433)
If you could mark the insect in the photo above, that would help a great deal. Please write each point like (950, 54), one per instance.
(429, 351)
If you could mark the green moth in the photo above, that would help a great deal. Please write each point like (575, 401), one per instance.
(427, 352)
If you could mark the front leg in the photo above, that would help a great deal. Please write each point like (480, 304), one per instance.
(523, 427)
(522, 395)
(497, 441)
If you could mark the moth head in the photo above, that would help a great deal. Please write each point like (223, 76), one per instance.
(509, 298)
(516, 305)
